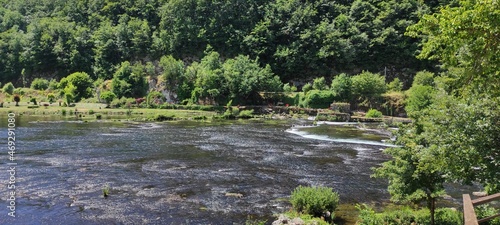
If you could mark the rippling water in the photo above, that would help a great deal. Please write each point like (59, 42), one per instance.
(182, 172)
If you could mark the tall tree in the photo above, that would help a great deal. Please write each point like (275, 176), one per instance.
(466, 37)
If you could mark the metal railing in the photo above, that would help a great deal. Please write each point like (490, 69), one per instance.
(470, 217)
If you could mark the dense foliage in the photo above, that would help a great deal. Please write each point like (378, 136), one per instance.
(52, 39)
(455, 133)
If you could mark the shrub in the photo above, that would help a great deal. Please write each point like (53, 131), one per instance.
(33, 100)
(246, 114)
(160, 118)
(373, 113)
(40, 84)
(69, 98)
(51, 97)
(486, 211)
(307, 87)
(91, 112)
(419, 98)
(287, 88)
(98, 116)
(424, 78)
(154, 99)
(406, 215)
(199, 118)
(367, 88)
(318, 99)
(342, 87)
(108, 97)
(63, 112)
(314, 200)
(320, 84)
(53, 84)
(82, 85)
(19, 91)
(17, 99)
(8, 88)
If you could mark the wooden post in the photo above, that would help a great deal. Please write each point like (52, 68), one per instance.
(469, 214)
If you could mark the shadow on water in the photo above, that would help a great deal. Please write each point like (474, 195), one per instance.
(183, 172)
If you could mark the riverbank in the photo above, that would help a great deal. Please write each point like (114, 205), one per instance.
(94, 111)
(99, 111)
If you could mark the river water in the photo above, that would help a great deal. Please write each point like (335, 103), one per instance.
(182, 172)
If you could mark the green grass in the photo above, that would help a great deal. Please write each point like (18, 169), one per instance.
(87, 109)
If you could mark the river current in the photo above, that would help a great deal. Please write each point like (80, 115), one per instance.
(182, 172)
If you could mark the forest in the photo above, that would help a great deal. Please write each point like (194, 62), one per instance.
(299, 40)
(437, 61)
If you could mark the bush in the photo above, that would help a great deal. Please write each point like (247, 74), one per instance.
(108, 97)
(40, 84)
(319, 84)
(486, 211)
(33, 100)
(51, 97)
(154, 99)
(98, 116)
(63, 112)
(367, 88)
(246, 114)
(160, 118)
(16, 99)
(318, 99)
(8, 88)
(19, 91)
(53, 84)
(419, 98)
(314, 200)
(406, 215)
(307, 87)
(373, 113)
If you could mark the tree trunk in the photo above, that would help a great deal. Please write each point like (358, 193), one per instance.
(431, 204)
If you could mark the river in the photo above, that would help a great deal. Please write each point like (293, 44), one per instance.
(182, 172)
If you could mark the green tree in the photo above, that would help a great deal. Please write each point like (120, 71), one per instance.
(129, 81)
(367, 88)
(173, 72)
(16, 99)
(245, 78)
(51, 97)
(40, 84)
(320, 84)
(8, 88)
(464, 36)
(415, 170)
(307, 87)
(419, 97)
(81, 85)
(466, 132)
(342, 87)
(210, 83)
(395, 85)
(108, 97)
(424, 78)
(287, 88)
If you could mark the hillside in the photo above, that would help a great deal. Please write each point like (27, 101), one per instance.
(300, 40)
